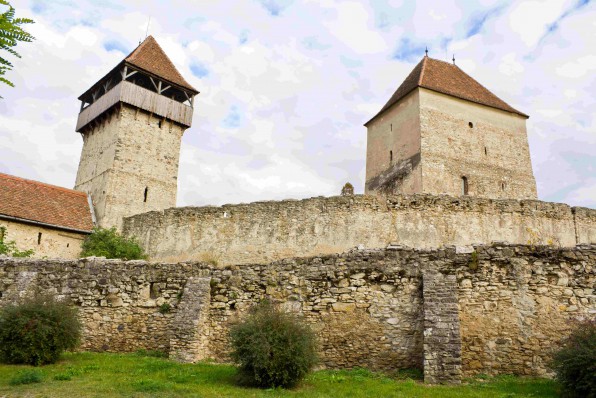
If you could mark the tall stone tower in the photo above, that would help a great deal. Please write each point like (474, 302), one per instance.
(442, 132)
(132, 121)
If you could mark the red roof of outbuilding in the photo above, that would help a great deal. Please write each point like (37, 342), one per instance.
(449, 79)
(35, 201)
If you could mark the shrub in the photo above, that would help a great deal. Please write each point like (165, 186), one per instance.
(109, 243)
(575, 362)
(37, 330)
(28, 376)
(273, 348)
(9, 248)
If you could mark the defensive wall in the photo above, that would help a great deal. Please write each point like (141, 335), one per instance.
(454, 311)
(266, 231)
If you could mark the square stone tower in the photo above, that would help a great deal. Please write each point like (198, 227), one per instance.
(442, 132)
(132, 121)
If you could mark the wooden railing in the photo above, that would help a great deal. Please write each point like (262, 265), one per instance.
(139, 97)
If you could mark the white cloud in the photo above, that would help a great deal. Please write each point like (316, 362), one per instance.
(301, 84)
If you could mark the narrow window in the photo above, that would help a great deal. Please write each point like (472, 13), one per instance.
(68, 245)
(485, 152)
(391, 156)
(503, 186)
(39, 238)
(145, 194)
(470, 125)
(391, 126)
(159, 124)
(464, 185)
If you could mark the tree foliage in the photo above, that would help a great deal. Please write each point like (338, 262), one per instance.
(110, 244)
(10, 34)
(273, 348)
(347, 189)
(37, 330)
(9, 248)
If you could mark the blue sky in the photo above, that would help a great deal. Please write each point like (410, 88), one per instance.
(286, 85)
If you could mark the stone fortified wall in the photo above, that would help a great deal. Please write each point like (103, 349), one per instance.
(454, 311)
(265, 231)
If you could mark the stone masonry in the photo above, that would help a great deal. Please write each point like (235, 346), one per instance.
(266, 231)
(382, 309)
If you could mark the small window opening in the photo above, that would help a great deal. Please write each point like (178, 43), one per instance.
(145, 194)
(68, 245)
(503, 186)
(464, 185)
(470, 125)
(39, 238)
(153, 291)
(485, 151)
(159, 124)
(391, 126)
(391, 156)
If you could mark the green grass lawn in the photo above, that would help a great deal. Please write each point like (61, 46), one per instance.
(136, 375)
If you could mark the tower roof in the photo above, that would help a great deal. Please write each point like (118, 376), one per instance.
(150, 57)
(449, 79)
(34, 201)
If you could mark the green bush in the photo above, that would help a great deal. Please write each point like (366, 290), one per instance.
(28, 376)
(37, 330)
(273, 348)
(110, 244)
(9, 248)
(575, 362)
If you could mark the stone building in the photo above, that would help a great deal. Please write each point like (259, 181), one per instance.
(51, 220)
(442, 132)
(132, 121)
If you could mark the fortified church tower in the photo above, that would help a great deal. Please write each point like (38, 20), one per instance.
(442, 132)
(132, 121)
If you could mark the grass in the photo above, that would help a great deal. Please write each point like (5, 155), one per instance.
(147, 375)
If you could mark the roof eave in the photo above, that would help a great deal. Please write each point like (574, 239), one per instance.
(186, 88)
(43, 224)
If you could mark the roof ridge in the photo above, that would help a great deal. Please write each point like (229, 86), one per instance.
(422, 70)
(73, 191)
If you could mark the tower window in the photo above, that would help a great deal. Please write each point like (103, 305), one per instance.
(391, 156)
(502, 185)
(39, 238)
(145, 194)
(470, 125)
(485, 151)
(159, 124)
(391, 126)
(464, 185)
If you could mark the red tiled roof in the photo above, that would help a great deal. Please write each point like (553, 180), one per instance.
(149, 57)
(449, 79)
(44, 203)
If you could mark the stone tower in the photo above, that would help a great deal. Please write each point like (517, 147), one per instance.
(132, 121)
(444, 133)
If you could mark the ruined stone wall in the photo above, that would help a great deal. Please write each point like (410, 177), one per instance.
(487, 146)
(457, 311)
(393, 149)
(264, 231)
(45, 242)
(126, 153)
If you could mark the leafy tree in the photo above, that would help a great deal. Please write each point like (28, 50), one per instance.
(110, 244)
(10, 34)
(9, 248)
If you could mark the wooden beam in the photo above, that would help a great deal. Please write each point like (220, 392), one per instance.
(154, 85)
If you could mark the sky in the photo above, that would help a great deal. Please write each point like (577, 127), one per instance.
(286, 86)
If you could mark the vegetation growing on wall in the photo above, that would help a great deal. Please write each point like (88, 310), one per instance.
(109, 243)
(9, 248)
